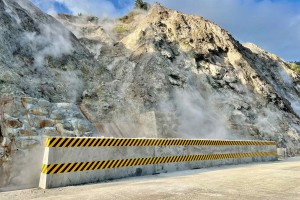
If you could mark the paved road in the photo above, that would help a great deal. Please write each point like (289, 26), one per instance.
(276, 180)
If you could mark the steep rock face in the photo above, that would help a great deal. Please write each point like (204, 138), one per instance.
(39, 56)
(278, 73)
(40, 61)
(189, 66)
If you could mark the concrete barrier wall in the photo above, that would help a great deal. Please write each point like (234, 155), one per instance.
(72, 161)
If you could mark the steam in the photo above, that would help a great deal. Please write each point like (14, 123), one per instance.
(266, 121)
(289, 96)
(294, 103)
(101, 8)
(95, 49)
(198, 117)
(73, 85)
(89, 26)
(296, 107)
(23, 171)
(10, 11)
(285, 76)
(53, 40)
(131, 126)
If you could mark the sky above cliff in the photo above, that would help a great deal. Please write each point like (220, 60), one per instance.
(273, 25)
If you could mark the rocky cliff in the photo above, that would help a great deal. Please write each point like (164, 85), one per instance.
(159, 73)
(189, 68)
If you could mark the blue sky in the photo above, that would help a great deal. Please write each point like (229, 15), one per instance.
(274, 25)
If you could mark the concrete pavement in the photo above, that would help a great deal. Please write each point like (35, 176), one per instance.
(273, 180)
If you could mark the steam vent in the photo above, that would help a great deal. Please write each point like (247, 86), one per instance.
(135, 93)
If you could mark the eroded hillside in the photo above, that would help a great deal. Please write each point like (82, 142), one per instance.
(186, 66)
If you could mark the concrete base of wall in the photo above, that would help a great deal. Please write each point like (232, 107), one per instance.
(77, 178)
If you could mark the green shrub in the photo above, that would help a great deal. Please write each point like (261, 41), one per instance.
(295, 67)
(120, 29)
(140, 4)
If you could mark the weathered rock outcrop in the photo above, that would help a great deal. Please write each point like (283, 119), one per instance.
(39, 57)
(175, 63)
(26, 122)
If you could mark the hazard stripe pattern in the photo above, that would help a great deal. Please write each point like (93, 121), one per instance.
(122, 142)
(109, 164)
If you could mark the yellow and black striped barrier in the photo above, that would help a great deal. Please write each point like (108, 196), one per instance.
(125, 142)
(66, 163)
(109, 164)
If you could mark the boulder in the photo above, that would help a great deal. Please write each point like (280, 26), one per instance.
(83, 126)
(50, 131)
(26, 132)
(28, 102)
(5, 142)
(216, 70)
(230, 78)
(38, 111)
(12, 123)
(45, 123)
